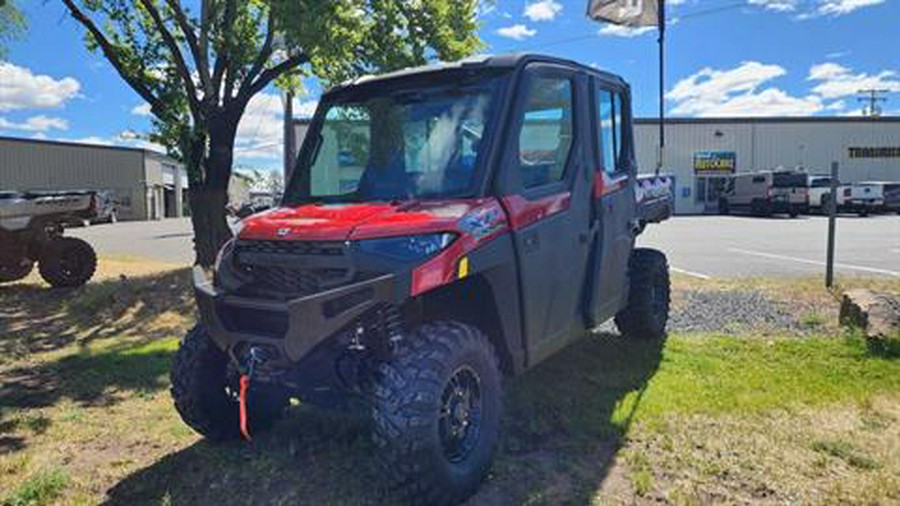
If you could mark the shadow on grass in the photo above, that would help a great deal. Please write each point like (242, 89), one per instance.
(564, 423)
(37, 319)
(87, 378)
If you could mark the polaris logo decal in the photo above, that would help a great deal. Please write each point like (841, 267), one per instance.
(281, 232)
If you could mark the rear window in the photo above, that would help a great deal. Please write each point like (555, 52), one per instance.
(789, 180)
(822, 182)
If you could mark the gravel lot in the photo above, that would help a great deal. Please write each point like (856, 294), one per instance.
(728, 312)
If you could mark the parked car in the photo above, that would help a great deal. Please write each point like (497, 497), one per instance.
(765, 193)
(868, 197)
(488, 219)
(819, 191)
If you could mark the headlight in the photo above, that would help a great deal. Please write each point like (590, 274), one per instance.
(408, 248)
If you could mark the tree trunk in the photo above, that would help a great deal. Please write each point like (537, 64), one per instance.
(209, 195)
(208, 219)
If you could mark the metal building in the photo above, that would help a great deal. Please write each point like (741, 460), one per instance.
(146, 185)
(702, 152)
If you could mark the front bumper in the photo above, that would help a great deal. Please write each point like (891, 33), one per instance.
(293, 327)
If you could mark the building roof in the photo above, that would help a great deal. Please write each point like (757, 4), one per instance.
(87, 145)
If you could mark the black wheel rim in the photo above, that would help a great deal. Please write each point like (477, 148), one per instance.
(460, 415)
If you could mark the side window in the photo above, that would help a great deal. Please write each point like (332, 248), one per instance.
(611, 130)
(607, 129)
(545, 139)
(620, 130)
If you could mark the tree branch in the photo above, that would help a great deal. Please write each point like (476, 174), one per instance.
(270, 74)
(112, 55)
(200, 57)
(265, 52)
(183, 69)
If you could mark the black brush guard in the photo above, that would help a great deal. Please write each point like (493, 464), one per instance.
(294, 327)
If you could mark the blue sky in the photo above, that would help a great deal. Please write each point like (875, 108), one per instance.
(725, 58)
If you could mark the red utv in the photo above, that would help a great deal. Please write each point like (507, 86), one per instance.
(445, 227)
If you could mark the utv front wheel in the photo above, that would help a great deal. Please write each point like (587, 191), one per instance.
(67, 262)
(205, 391)
(437, 411)
(647, 312)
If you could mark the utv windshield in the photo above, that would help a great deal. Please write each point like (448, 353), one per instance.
(374, 144)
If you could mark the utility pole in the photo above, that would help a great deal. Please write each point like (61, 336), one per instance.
(290, 150)
(872, 96)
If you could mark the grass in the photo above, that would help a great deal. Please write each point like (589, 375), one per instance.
(706, 418)
(42, 488)
(846, 452)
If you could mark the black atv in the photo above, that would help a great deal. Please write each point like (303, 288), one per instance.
(31, 231)
(445, 227)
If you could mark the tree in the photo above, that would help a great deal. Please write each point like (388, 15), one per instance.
(12, 24)
(198, 71)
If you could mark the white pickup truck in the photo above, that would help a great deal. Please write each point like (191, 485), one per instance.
(868, 197)
(31, 231)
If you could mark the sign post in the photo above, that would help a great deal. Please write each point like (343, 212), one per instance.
(832, 222)
(634, 14)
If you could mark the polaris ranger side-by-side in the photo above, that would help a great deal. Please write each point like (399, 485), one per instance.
(445, 227)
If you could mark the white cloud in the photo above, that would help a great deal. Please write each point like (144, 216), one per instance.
(610, 30)
(840, 7)
(542, 10)
(839, 105)
(836, 81)
(517, 32)
(815, 8)
(21, 89)
(35, 124)
(736, 92)
(776, 5)
(141, 110)
(261, 130)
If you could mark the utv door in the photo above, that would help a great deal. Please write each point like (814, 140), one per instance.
(546, 177)
(613, 201)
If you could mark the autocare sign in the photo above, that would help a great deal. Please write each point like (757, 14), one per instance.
(715, 162)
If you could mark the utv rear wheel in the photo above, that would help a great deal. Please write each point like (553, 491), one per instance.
(15, 272)
(67, 262)
(647, 312)
(205, 391)
(437, 411)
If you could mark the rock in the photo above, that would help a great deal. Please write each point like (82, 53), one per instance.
(876, 314)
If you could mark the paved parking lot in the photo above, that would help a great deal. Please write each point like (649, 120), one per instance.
(702, 246)
(733, 246)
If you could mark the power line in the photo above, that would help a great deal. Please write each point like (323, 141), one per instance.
(672, 20)
(872, 96)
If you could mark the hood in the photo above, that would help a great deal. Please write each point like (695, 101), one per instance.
(339, 222)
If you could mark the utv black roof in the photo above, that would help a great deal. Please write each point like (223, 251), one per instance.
(483, 62)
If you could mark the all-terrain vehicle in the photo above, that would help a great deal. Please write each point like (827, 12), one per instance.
(31, 231)
(445, 227)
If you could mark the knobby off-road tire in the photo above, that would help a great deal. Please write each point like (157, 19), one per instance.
(205, 391)
(9, 273)
(647, 312)
(67, 262)
(443, 374)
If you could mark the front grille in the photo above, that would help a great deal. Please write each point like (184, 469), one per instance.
(289, 269)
